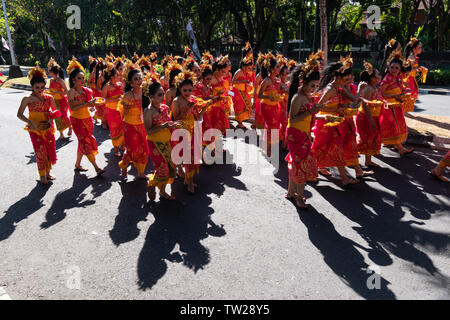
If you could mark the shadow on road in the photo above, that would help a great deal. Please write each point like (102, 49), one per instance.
(21, 210)
(181, 225)
(341, 255)
(74, 197)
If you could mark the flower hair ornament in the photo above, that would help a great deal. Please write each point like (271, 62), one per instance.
(248, 60)
(291, 63)
(153, 56)
(391, 43)
(396, 55)
(109, 68)
(144, 61)
(311, 65)
(172, 66)
(129, 65)
(187, 51)
(183, 76)
(247, 47)
(166, 59)
(208, 56)
(135, 57)
(205, 66)
(36, 72)
(223, 60)
(52, 63)
(412, 41)
(368, 67)
(118, 60)
(320, 55)
(282, 60)
(261, 58)
(346, 62)
(149, 80)
(74, 64)
(266, 62)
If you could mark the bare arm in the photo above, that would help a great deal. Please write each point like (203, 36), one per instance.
(22, 117)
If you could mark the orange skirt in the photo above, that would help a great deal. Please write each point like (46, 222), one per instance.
(327, 147)
(45, 150)
(84, 129)
(136, 147)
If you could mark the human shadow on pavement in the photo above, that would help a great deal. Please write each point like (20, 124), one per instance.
(100, 134)
(133, 208)
(342, 256)
(21, 210)
(181, 225)
(379, 216)
(75, 197)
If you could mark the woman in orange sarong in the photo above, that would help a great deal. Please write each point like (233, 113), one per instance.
(302, 165)
(112, 92)
(242, 86)
(412, 50)
(368, 137)
(164, 80)
(444, 163)
(392, 121)
(259, 119)
(348, 129)
(95, 82)
(40, 123)
(328, 145)
(186, 110)
(217, 113)
(284, 94)
(80, 100)
(203, 90)
(270, 98)
(158, 125)
(135, 136)
(58, 90)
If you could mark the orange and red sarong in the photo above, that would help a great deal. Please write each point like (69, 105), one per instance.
(302, 165)
(135, 138)
(392, 121)
(114, 117)
(160, 148)
(83, 127)
(327, 147)
(61, 104)
(242, 102)
(43, 140)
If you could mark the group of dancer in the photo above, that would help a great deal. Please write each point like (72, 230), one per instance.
(323, 118)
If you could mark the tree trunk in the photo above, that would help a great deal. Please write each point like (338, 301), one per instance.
(324, 29)
(284, 31)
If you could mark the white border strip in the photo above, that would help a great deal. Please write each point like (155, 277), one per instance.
(4, 295)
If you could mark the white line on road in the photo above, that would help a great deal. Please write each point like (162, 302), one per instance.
(4, 295)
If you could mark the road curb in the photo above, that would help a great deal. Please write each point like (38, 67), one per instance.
(442, 93)
(21, 87)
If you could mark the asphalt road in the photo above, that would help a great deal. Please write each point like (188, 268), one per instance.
(238, 238)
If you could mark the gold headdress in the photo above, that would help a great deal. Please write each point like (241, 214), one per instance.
(320, 55)
(110, 58)
(397, 54)
(247, 47)
(118, 60)
(261, 58)
(205, 66)
(74, 64)
(185, 75)
(167, 59)
(248, 59)
(187, 50)
(172, 66)
(135, 57)
(153, 56)
(188, 61)
(311, 65)
(266, 62)
(52, 63)
(149, 80)
(391, 43)
(346, 62)
(129, 65)
(223, 60)
(412, 41)
(281, 59)
(292, 63)
(368, 67)
(144, 61)
(92, 60)
(36, 72)
(207, 56)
